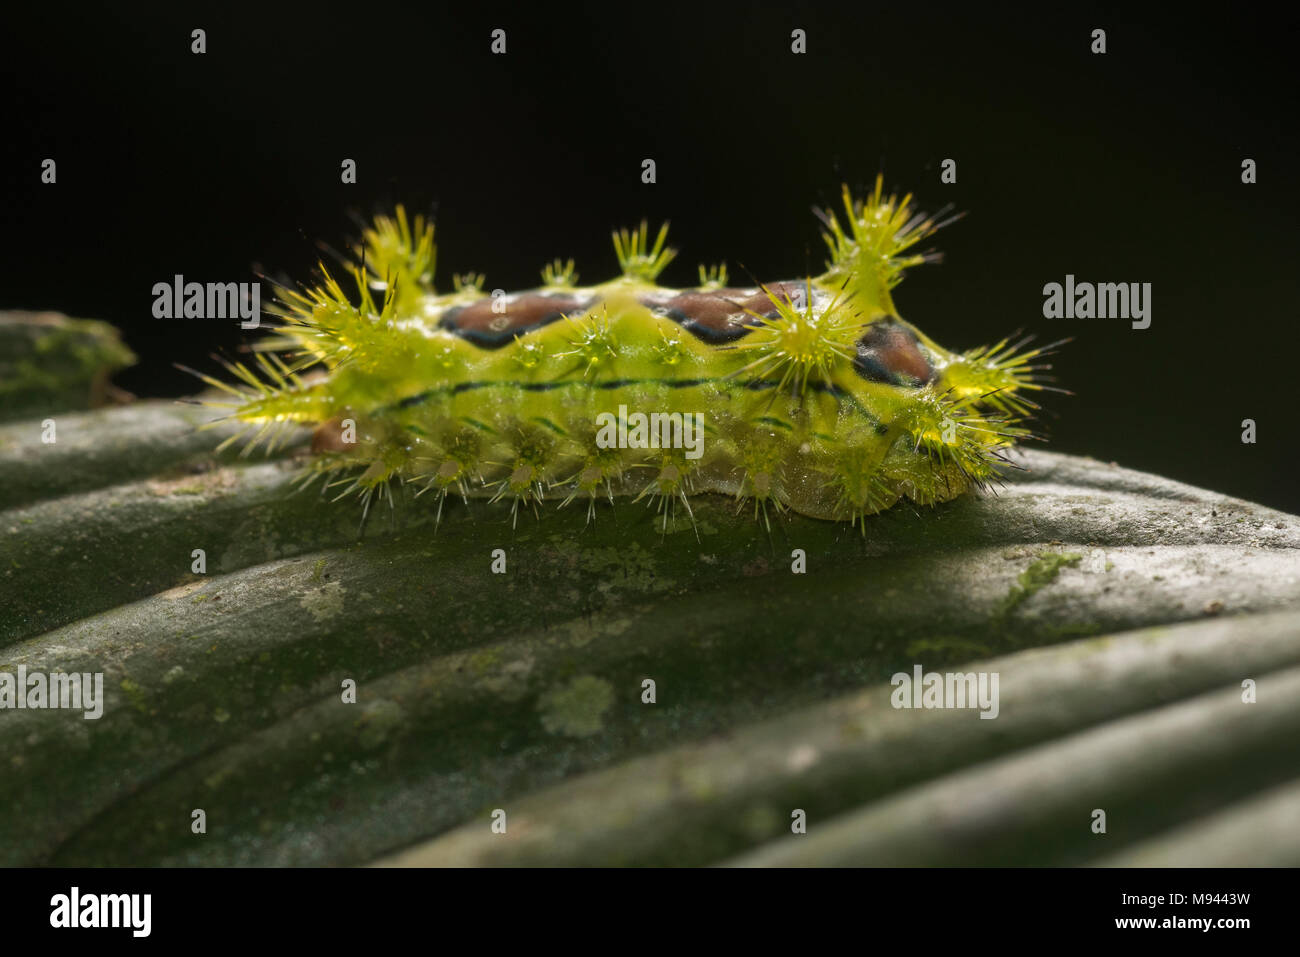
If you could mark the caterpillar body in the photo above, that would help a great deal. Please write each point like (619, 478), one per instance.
(813, 395)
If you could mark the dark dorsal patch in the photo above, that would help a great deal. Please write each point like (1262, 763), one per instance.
(889, 352)
(719, 316)
(524, 313)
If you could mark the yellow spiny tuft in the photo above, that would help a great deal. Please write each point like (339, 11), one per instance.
(326, 326)
(636, 258)
(593, 342)
(880, 230)
(466, 281)
(671, 350)
(558, 273)
(272, 401)
(528, 472)
(713, 277)
(857, 487)
(998, 375)
(801, 345)
(402, 253)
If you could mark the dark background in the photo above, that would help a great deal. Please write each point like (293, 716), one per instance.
(1123, 168)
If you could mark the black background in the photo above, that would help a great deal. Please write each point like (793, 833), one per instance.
(1117, 168)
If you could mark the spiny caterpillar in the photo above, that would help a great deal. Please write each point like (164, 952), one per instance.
(816, 395)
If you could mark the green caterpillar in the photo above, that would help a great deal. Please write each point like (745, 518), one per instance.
(812, 395)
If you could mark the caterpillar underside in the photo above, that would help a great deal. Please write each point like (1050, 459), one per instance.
(814, 394)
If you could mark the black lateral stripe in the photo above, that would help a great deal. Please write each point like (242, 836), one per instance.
(670, 383)
(754, 386)
(411, 400)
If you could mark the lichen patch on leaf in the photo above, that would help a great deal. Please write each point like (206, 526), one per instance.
(577, 709)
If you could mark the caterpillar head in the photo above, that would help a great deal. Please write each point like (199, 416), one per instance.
(897, 414)
(932, 421)
(946, 417)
